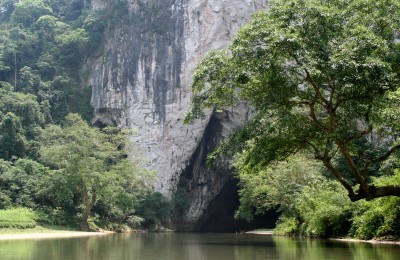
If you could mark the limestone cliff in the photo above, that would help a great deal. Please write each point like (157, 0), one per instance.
(141, 81)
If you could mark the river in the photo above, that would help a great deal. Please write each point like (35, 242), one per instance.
(189, 246)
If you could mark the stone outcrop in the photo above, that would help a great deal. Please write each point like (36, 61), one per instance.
(141, 81)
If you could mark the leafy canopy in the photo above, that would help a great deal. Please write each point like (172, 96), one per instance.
(321, 76)
(92, 166)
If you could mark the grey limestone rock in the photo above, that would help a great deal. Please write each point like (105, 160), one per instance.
(141, 81)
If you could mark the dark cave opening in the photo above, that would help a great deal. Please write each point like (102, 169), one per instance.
(219, 216)
(221, 207)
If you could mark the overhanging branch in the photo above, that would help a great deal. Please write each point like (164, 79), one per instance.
(359, 134)
(350, 162)
(327, 163)
(380, 159)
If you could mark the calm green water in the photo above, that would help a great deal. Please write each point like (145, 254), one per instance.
(192, 247)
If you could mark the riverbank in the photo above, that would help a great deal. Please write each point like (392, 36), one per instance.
(260, 232)
(370, 241)
(345, 240)
(67, 234)
(44, 233)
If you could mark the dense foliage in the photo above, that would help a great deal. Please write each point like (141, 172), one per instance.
(51, 160)
(83, 175)
(17, 218)
(312, 205)
(43, 45)
(323, 79)
(91, 165)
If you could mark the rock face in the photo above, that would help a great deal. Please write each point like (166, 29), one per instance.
(141, 81)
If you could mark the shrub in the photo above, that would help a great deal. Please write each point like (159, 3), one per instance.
(378, 218)
(180, 203)
(17, 218)
(286, 226)
(155, 208)
(134, 221)
(54, 217)
(325, 210)
(5, 201)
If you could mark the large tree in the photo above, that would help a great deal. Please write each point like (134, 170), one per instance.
(20, 121)
(322, 76)
(91, 165)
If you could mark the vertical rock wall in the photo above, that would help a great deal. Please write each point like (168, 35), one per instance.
(141, 81)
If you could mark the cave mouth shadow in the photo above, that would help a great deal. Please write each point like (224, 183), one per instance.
(219, 216)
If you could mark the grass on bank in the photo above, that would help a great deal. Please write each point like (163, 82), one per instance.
(19, 218)
(36, 229)
(23, 221)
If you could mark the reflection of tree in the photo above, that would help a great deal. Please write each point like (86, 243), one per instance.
(311, 249)
(17, 249)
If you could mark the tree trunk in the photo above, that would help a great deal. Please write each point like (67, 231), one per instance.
(89, 203)
(376, 192)
(366, 191)
(84, 221)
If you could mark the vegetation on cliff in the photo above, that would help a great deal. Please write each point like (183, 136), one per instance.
(52, 161)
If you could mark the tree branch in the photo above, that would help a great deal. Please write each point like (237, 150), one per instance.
(359, 134)
(383, 191)
(360, 178)
(379, 159)
(377, 192)
(308, 77)
(335, 172)
(314, 117)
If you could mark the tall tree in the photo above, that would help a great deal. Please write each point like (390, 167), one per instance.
(91, 163)
(20, 121)
(322, 76)
(27, 12)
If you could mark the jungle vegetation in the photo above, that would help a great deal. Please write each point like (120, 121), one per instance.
(322, 78)
(55, 168)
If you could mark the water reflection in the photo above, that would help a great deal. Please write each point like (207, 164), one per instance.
(192, 247)
(335, 250)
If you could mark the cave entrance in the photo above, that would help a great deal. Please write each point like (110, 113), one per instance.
(198, 179)
(219, 216)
